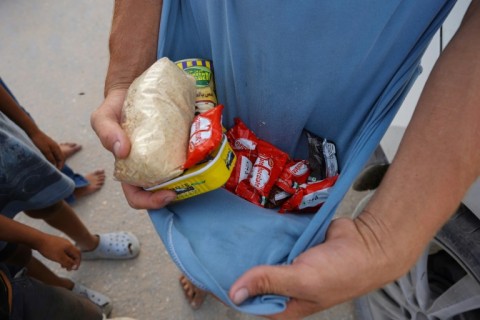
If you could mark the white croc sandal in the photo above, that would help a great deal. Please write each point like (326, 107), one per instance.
(115, 246)
(99, 299)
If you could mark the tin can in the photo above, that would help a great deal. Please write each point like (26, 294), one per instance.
(202, 71)
(203, 177)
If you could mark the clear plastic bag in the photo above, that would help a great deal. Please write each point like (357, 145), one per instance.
(157, 114)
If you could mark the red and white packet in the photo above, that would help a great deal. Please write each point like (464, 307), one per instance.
(205, 135)
(309, 197)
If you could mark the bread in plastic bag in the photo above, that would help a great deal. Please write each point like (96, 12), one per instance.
(157, 114)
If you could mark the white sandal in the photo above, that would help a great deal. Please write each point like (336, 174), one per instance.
(115, 245)
(99, 299)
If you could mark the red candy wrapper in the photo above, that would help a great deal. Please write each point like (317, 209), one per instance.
(242, 169)
(246, 191)
(267, 168)
(294, 174)
(309, 197)
(205, 136)
(242, 138)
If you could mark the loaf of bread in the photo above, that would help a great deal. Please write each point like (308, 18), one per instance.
(157, 115)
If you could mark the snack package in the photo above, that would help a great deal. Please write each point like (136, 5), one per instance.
(157, 115)
(205, 135)
(242, 138)
(242, 169)
(277, 197)
(322, 158)
(294, 174)
(309, 197)
(267, 167)
(264, 173)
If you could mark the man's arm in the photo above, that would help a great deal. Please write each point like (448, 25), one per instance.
(437, 161)
(439, 157)
(133, 48)
(133, 41)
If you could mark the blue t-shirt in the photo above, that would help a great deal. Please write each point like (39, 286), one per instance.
(339, 69)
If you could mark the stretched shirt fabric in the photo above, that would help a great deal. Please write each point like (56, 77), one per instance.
(339, 69)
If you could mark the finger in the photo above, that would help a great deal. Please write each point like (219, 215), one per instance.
(296, 309)
(281, 280)
(75, 257)
(47, 153)
(138, 198)
(58, 156)
(105, 121)
(66, 262)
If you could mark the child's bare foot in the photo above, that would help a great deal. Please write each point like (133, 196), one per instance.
(194, 295)
(96, 179)
(69, 148)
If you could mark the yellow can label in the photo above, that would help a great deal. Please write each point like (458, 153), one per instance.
(203, 177)
(201, 70)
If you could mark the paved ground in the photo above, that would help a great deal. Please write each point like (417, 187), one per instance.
(54, 57)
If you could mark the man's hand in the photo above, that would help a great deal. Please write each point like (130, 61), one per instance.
(49, 148)
(106, 124)
(60, 250)
(345, 266)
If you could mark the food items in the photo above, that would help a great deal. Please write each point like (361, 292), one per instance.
(294, 174)
(205, 135)
(322, 158)
(267, 167)
(242, 169)
(157, 115)
(203, 177)
(309, 197)
(242, 138)
(265, 176)
(202, 71)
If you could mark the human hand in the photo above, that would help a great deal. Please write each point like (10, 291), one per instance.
(348, 264)
(105, 122)
(60, 250)
(49, 148)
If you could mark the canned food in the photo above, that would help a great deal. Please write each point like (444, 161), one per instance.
(202, 71)
(203, 177)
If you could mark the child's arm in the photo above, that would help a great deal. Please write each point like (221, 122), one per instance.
(14, 112)
(51, 247)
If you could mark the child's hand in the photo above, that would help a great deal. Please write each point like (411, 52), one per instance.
(60, 250)
(50, 149)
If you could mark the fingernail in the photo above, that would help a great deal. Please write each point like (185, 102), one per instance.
(116, 148)
(240, 296)
(169, 198)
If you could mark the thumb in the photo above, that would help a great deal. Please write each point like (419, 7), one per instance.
(281, 280)
(105, 121)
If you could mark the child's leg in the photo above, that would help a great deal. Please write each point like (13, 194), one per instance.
(36, 269)
(62, 217)
(22, 257)
(31, 298)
